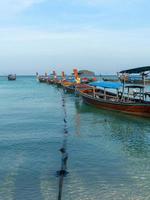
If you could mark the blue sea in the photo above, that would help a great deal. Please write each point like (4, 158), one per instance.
(108, 152)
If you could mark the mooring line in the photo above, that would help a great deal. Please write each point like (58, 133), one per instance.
(63, 171)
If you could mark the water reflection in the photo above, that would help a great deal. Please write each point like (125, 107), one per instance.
(77, 116)
(131, 131)
(110, 157)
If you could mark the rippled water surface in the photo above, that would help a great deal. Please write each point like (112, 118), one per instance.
(109, 153)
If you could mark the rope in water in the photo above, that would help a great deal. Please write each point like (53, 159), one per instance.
(63, 171)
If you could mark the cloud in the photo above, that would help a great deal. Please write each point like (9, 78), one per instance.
(23, 49)
(106, 36)
(95, 41)
(102, 2)
(96, 2)
(9, 8)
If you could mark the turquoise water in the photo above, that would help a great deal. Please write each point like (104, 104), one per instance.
(109, 153)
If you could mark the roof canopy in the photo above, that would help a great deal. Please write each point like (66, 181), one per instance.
(136, 70)
(134, 86)
(70, 79)
(107, 84)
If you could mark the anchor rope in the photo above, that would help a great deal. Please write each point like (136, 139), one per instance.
(63, 171)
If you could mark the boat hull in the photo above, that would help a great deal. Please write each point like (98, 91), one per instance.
(140, 109)
(11, 77)
(75, 88)
(69, 89)
(42, 79)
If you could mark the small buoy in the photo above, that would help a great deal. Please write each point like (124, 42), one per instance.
(62, 150)
(61, 173)
(65, 131)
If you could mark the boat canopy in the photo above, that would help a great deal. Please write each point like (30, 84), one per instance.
(72, 79)
(136, 70)
(135, 86)
(107, 84)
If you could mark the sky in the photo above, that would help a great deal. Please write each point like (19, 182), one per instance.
(105, 36)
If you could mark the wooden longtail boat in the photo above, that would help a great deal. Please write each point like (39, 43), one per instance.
(12, 77)
(72, 85)
(50, 80)
(68, 86)
(59, 81)
(137, 75)
(86, 76)
(42, 78)
(53, 79)
(134, 103)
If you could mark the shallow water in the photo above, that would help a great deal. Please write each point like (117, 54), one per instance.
(109, 152)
